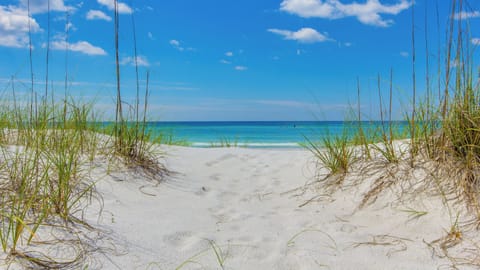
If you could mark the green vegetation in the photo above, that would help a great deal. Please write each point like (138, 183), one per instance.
(168, 138)
(445, 126)
(221, 255)
(443, 135)
(47, 149)
(335, 153)
(46, 155)
(225, 142)
(42, 178)
(414, 214)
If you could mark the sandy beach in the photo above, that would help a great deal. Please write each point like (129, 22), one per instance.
(239, 135)
(236, 208)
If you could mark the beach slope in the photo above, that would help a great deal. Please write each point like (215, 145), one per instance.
(236, 208)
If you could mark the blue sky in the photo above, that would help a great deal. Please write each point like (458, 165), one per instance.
(225, 59)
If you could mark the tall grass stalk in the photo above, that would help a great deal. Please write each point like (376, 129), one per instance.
(131, 135)
(333, 152)
(386, 147)
(67, 31)
(47, 57)
(119, 124)
(361, 137)
(30, 58)
(413, 144)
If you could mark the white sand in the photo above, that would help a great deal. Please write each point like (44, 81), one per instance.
(242, 202)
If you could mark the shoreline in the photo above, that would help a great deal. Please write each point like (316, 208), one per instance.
(258, 145)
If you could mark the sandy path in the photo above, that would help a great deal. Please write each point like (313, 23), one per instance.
(236, 201)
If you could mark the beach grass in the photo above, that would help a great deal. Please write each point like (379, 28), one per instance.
(46, 158)
(47, 149)
(42, 177)
(226, 142)
(450, 130)
(443, 132)
(169, 138)
(334, 152)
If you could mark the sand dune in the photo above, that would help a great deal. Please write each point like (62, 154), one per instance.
(236, 208)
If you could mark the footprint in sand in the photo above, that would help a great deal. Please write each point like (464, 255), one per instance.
(221, 214)
(348, 228)
(226, 196)
(181, 239)
(215, 177)
(221, 217)
(219, 160)
(202, 191)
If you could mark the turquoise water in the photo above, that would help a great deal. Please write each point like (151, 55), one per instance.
(256, 134)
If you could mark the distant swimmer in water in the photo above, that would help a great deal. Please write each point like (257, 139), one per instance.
(294, 125)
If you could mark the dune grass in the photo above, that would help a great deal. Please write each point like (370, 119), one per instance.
(45, 161)
(333, 152)
(226, 142)
(442, 128)
(41, 172)
(169, 138)
(443, 133)
(47, 146)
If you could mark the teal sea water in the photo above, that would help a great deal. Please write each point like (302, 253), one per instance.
(278, 134)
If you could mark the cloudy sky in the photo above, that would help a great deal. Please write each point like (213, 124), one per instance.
(225, 59)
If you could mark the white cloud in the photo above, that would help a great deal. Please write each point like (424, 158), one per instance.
(223, 61)
(177, 45)
(240, 68)
(122, 7)
(404, 54)
(70, 27)
(80, 46)
(229, 54)
(347, 44)
(98, 15)
(142, 61)
(14, 27)
(367, 13)
(304, 35)
(475, 41)
(12, 20)
(466, 15)
(41, 6)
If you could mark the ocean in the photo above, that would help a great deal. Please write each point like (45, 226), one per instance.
(275, 134)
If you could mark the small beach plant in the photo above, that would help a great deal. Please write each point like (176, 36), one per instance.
(225, 142)
(169, 138)
(334, 152)
(131, 137)
(386, 147)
